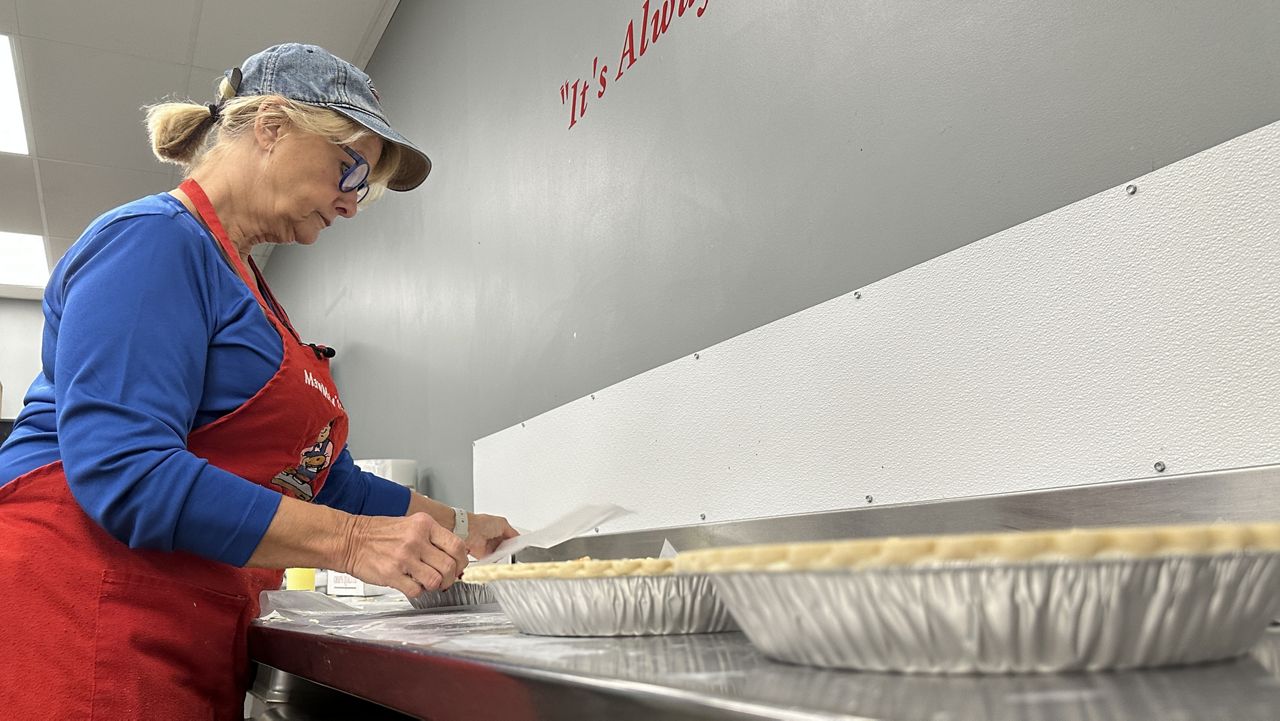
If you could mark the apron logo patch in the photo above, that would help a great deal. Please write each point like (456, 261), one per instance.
(299, 481)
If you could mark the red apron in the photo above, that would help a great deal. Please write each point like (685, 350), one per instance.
(94, 629)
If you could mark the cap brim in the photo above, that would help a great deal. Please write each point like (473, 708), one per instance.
(414, 164)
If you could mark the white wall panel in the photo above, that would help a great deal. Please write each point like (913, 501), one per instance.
(1083, 346)
(21, 325)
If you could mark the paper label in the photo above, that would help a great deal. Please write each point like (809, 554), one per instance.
(570, 525)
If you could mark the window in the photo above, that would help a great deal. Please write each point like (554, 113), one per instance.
(22, 260)
(23, 267)
(13, 132)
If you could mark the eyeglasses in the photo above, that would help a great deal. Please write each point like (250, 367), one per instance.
(355, 176)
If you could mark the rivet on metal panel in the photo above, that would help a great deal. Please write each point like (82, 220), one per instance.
(1160, 466)
(870, 499)
(1131, 189)
(703, 516)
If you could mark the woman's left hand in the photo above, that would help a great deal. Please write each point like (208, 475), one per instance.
(486, 532)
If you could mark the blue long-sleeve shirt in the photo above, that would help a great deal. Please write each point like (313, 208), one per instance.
(148, 335)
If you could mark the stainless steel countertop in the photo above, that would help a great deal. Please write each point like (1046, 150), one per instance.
(410, 660)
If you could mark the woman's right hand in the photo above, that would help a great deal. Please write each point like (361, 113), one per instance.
(411, 554)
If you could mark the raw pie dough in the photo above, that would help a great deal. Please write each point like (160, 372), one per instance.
(1076, 543)
(580, 568)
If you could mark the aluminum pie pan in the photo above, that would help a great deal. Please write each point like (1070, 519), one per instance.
(989, 617)
(613, 606)
(459, 594)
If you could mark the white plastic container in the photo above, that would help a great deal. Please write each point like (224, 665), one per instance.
(399, 470)
(342, 584)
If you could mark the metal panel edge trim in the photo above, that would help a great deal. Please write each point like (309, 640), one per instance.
(1240, 494)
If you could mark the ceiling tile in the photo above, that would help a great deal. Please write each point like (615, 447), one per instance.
(86, 102)
(76, 194)
(202, 85)
(58, 248)
(226, 37)
(19, 204)
(9, 17)
(156, 29)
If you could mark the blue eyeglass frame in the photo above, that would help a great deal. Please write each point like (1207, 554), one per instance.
(359, 170)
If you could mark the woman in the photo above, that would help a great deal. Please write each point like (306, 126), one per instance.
(177, 449)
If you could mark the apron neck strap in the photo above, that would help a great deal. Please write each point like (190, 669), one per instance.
(252, 278)
(209, 216)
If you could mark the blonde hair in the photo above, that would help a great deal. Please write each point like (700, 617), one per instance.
(186, 134)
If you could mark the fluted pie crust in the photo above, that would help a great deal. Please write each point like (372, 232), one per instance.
(1075, 543)
(579, 568)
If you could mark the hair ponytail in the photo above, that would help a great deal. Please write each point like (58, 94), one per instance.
(178, 130)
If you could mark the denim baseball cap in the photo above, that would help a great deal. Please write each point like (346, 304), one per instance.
(312, 75)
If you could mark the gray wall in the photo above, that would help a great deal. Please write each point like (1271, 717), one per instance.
(755, 161)
(21, 325)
